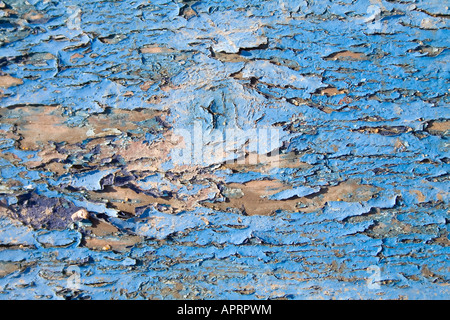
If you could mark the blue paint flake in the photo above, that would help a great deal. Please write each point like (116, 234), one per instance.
(96, 97)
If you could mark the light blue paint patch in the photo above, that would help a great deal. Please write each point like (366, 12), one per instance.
(295, 192)
(244, 177)
(11, 171)
(377, 132)
(95, 207)
(33, 175)
(4, 162)
(15, 232)
(128, 261)
(58, 238)
(88, 181)
(15, 255)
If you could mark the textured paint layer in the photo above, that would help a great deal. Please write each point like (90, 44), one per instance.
(224, 149)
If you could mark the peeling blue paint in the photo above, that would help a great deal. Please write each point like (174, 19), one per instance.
(357, 92)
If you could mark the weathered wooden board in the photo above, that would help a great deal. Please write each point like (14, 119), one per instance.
(224, 149)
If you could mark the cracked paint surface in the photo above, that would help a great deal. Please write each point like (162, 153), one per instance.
(98, 99)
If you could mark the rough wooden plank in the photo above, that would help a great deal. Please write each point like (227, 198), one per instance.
(224, 149)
